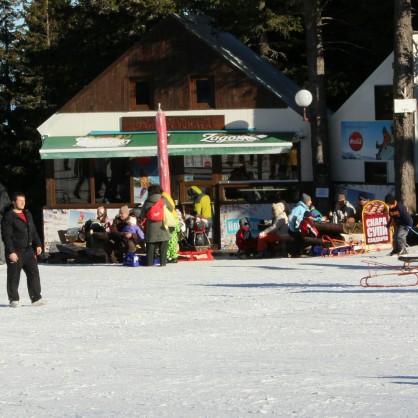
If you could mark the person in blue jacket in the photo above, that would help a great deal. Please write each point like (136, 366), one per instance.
(401, 221)
(295, 218)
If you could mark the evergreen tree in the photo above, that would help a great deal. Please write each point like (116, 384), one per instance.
(403, 85)
(10, 82)
(272, 29)
(312, 10)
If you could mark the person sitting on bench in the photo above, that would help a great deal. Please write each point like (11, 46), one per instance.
(273, 233)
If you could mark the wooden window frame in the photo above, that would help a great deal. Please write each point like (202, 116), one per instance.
(132, 94)
(193, 92)
(383, 98)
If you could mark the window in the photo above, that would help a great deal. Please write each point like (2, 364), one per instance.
(198, 167)
(376, 172)
(76, 178)
(72, 180)
(141, 94)
(261, 167)
(383, 102)
(202, 89)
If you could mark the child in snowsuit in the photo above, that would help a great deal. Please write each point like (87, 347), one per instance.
(130, 229)
(307, 228)
(246, 243)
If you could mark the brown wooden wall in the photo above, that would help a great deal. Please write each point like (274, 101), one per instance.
(168, 57)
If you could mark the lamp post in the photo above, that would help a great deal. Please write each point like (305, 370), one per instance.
(303, 98)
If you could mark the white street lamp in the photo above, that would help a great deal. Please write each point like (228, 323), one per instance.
(303, 99)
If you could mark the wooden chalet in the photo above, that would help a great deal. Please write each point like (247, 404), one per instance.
(234, 129)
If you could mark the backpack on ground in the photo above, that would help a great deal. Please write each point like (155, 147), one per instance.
(131, 260)
(156, 211)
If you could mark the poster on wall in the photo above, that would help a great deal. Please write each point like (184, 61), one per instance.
(145, 173)
(198, 161)
(230, 214)
(375, 218)
(56, 220)
(367, 140)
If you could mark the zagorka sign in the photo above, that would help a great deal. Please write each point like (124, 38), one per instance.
(174, 123)
(219, 138)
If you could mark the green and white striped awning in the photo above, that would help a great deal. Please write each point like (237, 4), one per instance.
(144, 144)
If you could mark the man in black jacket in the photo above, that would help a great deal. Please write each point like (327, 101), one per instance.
(402, 221)
(22, 245)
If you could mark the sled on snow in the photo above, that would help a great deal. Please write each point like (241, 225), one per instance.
(332, 247)
(197, 254)
(384, 275)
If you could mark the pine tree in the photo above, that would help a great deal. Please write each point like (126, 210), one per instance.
(404, 122)
(10, 81)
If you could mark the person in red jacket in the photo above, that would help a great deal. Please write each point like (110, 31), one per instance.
(307, 228)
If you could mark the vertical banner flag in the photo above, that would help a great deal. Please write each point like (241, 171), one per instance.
(163, 167)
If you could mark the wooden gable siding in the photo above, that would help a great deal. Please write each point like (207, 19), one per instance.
(168, 58)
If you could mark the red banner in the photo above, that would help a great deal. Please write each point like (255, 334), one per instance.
(375, 218)
(163, 167)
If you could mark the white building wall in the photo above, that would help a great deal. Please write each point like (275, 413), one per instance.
(359, 107)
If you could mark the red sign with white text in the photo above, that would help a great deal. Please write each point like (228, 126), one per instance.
(375, 219)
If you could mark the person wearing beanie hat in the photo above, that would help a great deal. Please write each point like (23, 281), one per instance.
(202, 205)
(133, 232)
(118, 243)
(345, 210)
(401, 221)
(362, 200)
(363, 197)
(316, 214)
(307, 214)
(390, 199)
(307, 227)
(306, 199)
(277, 229)
(295, 219)
(124, 210)
(156, 234)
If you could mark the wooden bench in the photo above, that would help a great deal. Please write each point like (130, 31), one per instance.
(407, 259)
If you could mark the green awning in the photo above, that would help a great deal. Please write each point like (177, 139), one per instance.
(105, 145)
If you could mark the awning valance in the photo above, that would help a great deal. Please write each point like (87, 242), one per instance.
(144, 144)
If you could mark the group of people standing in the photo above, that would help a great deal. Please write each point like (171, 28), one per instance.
(132, 229)
(20, 244)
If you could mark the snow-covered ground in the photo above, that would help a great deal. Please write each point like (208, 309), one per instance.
(227, 338)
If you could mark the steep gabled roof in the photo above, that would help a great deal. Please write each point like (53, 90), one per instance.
(243, 58)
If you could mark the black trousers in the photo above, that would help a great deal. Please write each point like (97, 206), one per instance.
(298, 242)
(29, 264)
(163, 247)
